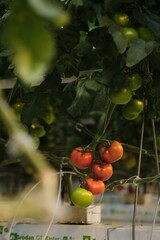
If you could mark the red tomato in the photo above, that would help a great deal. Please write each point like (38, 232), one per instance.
(102, 171)
(113, 153)
(103, 152)
(80, 158)
(96, 187)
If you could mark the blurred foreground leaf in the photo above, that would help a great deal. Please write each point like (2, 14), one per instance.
(32, 43)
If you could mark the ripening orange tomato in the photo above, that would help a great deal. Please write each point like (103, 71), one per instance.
(113, 153)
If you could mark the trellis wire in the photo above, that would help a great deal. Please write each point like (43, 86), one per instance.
(138, 175)
(158, 171)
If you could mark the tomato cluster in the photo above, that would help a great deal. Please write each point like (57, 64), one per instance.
(122, 19)
(126, 96)
(100, 171)
(124, 92)
(134, 106)
(36, 128)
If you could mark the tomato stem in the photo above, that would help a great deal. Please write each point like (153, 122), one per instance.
(109, 111)
(69, 184)
(108, 116)
(81, 128)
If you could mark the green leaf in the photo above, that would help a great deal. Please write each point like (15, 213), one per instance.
(6, 53)
(85, 95)
(66, 66)
(82, 49)
(92, 86)
(35, 102)
(100, 99)
(68, 38)
(153, 108)
(118, 37)
(82, 99)
(139, 49)
(149, 19)
(32, 44)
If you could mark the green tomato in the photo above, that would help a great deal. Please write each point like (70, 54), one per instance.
(130, 33)
(127, 115)
(17, 107)
(120, 96)
(121, 19)
(37, 130)
(135, 106)
(48, 117)
(134, 81)
(146, 33)
(81, 197)
(48, 114)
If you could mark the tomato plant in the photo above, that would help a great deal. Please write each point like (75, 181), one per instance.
(113, 153)
(120, 96)
(81, 197)
(102, 171)
(92, 48)
(121, 19)
(134, 81)
(95, 186)
(81, 158)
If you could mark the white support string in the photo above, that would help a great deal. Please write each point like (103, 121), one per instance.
(158, 171)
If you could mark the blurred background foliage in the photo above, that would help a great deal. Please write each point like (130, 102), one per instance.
(58, 62)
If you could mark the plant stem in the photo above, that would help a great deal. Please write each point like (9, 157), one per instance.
(107, 119)
(134, 180)
(109, 111)
(69, 184)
